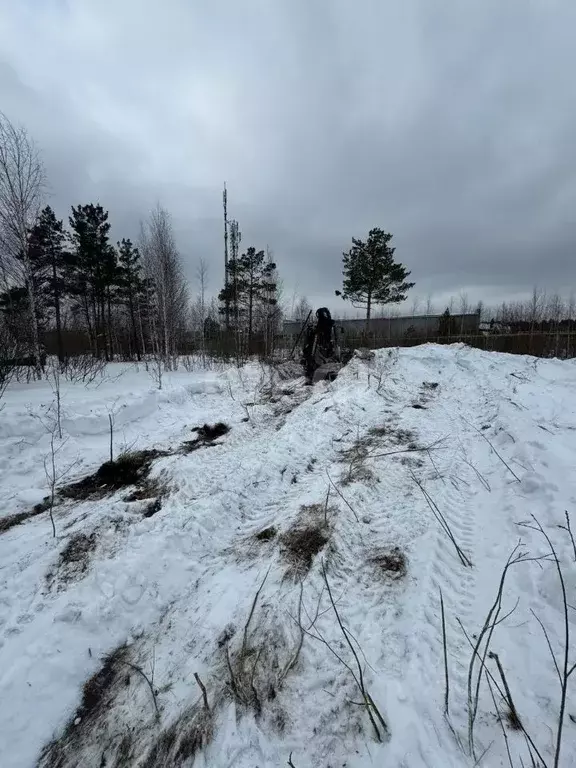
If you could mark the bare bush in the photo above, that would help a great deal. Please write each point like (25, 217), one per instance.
(83, 368)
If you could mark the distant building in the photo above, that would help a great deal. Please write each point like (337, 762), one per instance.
(418, 326)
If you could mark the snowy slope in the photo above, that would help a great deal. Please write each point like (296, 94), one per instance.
(272, 630)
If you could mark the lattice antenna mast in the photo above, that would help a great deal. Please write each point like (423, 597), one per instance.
(235, 238)
(227, 299)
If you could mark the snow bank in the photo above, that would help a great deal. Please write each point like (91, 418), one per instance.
(375, 468)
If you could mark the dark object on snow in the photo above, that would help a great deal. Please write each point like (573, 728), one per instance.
(152, 507)
(266, 534)
(209, 433)
(129, 469)
(206, 436)
(321, 356)
(391, 562)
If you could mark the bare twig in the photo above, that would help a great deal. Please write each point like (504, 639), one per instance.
(569, 529)
(565, 670)
(290, 665)
(549, 644)
(350, 507)
(515, 718)
(256, 596)
(508, 467)
(141, 672)
(488, 673)
(372, 709)
(500, 719)
(203, 689)
(445, 647)
(326, 506)
(233, 683)
(464, 559)
(110, 419)
(416, 449)
(51, 477)
(479, 475)
(485, 636)
(290, 763)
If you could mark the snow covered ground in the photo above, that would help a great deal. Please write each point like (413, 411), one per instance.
(294, 568)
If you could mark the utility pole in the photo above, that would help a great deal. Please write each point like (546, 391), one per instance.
(227, 300)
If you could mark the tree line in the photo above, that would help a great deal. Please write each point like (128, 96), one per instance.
(126, 299)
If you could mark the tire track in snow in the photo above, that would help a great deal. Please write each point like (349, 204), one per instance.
(445, 571)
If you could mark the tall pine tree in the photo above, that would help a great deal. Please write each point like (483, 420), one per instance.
(94, 273)
(371, 276)
(251, 284)
(47, 255)
(131, 289)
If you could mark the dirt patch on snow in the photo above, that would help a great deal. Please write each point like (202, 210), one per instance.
(9, 521)
(128, 469)
(267, 534)
(205, 436)
(98, 694)
(390, 562)
(300, 544)
(74, 559)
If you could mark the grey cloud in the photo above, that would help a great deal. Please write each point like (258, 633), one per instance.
(449, 124)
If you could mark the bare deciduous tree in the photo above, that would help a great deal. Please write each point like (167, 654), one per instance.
(22, 184)
(302, 309)
(163, 269)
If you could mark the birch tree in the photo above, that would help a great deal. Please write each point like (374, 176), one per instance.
(22, 185)
(165, 276)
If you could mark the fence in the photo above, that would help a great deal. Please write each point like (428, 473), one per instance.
(562, 345)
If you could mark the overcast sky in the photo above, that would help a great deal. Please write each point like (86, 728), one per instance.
(450, 123)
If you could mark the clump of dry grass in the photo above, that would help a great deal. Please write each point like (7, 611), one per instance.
(300, 545)
(98, 694)
(355, 458)
(180, 742)
(390, 562)
(128, 469)
(309, 534)
(74, 559)
(267, 534)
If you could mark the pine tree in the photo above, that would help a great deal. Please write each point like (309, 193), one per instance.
(251, 285)
(131, 288)
(447, 324)
(94, 272)
(371, 276)
(49, 262)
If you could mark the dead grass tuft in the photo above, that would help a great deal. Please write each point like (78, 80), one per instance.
(74, 559)
(148, 489)
(300, 545)
(178, 744)
(130, 468)
(98, 695)
(267, 534)
(390, 562)
(513, 721)
(9, 521)
(394, 435)
(355, 458)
